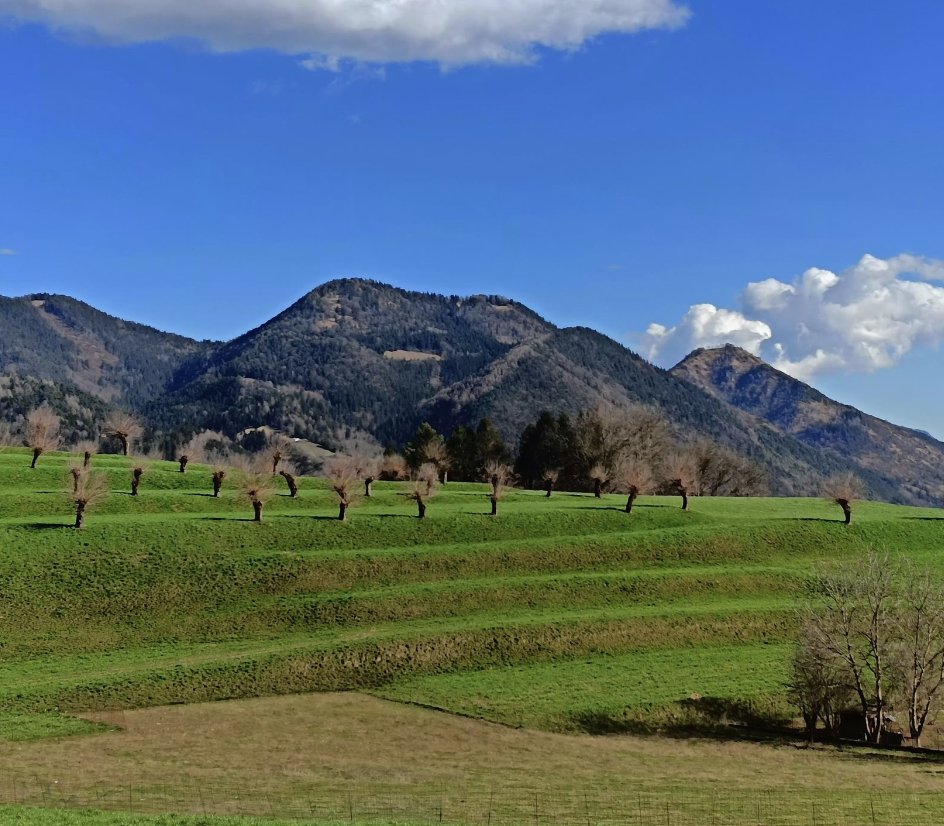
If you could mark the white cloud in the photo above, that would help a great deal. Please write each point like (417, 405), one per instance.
(7, 251)
(448, 32)
(704, 325)
(863, 319)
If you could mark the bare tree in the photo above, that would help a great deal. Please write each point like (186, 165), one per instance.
(219, 474)
(89, 489)
(722, 472)
(367, 469)
(124, 427)
(599, 475)
(423, 488)
(922, 646)
(87, 448)
(183, 460)
(843, 489)
(550, 477)
(498, 474)
(42, 431)
(290, 473)
(342, 475)
(854, 627)
(428, 474)
(279, 449)
(435, 452)
(393, 467)
(138, 469)
(632, 477)
(255, 482)
(75, 473)
(682, 475)
(817, 684)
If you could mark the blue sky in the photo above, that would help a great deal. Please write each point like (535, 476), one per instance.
(608, 174)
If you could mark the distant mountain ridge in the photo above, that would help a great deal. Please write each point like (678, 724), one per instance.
(747, 383)
(359, 357)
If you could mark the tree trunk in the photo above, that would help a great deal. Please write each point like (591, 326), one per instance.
(342, 510)
(37, 452)
(276, 458)
(630, 499)
(548, 486)
(124, 443)
(257, 510)
(445, 477)
(75, 480)
(79, 514)
(368, 486)
(846, 510)
(183, 463)
(598, 488)
(421, 507)
(684, 499)
(494, 505)
(88, 458)
(292, 485)
(134, 486)
(217, 484)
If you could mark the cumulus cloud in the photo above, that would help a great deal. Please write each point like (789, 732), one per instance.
(862, 319)
(448, 32)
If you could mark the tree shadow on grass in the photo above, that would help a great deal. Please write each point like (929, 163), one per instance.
(47, 526)
(207, 495)
(925, 518)
(712, 718)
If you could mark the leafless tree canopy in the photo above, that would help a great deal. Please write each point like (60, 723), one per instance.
(877, 633)
(721, 472)
(42, 431)
(89, 488)
(124, 427)
(86, 449)
(393, 467)
(255, 481)
(436, 453)
(632, 476)
(843, 489)
(342, 476)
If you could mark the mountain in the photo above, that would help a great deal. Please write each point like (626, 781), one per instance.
(359, 359)
(911, 458)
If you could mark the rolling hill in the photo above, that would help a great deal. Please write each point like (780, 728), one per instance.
(357, 358)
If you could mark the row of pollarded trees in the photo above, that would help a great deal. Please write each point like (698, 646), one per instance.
(630, 451)
(872, 644)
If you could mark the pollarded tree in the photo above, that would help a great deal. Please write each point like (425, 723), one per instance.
(255, 482)
(599, 475)
(423, 488)
(183, 460)
(498, 475)
(279, 449)
(681, 473)
(86, 449)
(290, 474)
(367, 469)
(428, 474)
(843, 489)
(436, 453)
(123, 427)
(393, 467)
(89, 489)
(75, 473)
(42, 431)
(219, 474)
(550, 477)
(138, 469)
(632, 477)
(342, 476)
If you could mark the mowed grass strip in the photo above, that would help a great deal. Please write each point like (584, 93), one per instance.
(638, 691)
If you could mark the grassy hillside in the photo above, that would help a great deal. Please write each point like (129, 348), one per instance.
(563, 615)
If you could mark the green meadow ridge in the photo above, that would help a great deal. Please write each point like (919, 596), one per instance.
(677, 619)
(356, 357)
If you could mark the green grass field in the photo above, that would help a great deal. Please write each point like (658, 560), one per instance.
(563, 615)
